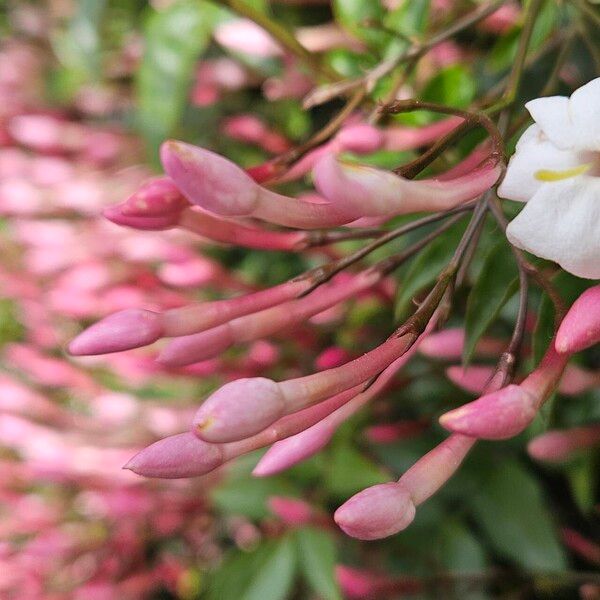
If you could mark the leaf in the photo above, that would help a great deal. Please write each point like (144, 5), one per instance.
(426, 267)
(265, 574)
(454, 86)
(459, 550)
(497, 282)
(248, 496)
(317, 555)
(410, 18)
(349, 471)
(512, 512)
(174, 38)
(352, 14)
(78, 48)
(273, 580)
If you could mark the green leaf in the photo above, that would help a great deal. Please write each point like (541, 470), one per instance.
(273, 580)
(352, 14)
(497, 282)
(454, 86)
(78, 47)
(174, 38)
(349, 471)
(410, 18)
(248, 496)
(512, 512)
(582, 474)
(265, 574)
(317, 554)
(426, 267)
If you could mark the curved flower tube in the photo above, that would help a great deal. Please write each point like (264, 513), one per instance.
(133, 328)
(292, 450)
(385, 509)
(369, 192)
(244, 407)
(220, 186)
(185, 455)
(206, 344)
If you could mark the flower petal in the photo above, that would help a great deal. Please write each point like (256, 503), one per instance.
(535, 152)
(553, 116)
(584, 108)
(562, 223)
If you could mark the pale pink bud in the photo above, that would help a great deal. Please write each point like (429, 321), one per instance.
(406, 138)
(246, 37)
(244, 407)
(158, 223)
(508, 411)
(291, 511)
(181, 455)
(250, 129)
(580, 328)
(473, 379)
(448, 344)
(557, 446)
(360, 138)
(365, 191)
(376, 512)
(154, 198)
(496, 416)
(219, 186)
(124, 330)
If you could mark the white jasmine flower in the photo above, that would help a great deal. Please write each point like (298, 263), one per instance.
(556, 171)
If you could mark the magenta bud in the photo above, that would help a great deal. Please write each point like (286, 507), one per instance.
(209, 180)
(376, 512)
(115, 215)
(155, 198)
(176, 456)
(239, 409)
(124, 330)
(580, 328)
(496, 416)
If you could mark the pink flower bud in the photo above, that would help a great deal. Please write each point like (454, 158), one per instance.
(158, 223)
(388, 433)
(496, 416)
(576, 380)
(365, 585)
(154, 198)
(177, 456)
(124, 330)
(580, 329)
(369, 192)
(448, 344)
(588, 550)
(376, 512)
(244, 407)
(360, 138)
(219, 186)
(557, 446)
(508, 411)
(291, 511)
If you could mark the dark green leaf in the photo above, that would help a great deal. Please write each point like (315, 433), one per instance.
(512, 512)
(425, 268)
(454, 86)
(317, 554)
(497, 282)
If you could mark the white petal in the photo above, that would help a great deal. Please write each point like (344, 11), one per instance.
(584, 108)
(562, 223)
(534, 152)
(553, 116)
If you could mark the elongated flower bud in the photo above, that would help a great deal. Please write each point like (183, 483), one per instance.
(219, 186)
(449, 344)
(292, 450)
(506, 412)
(474, 378)
(291, 511)
(200, 346)
(385, 509)
(132, 328)
(369, 192)
(580, 328)
(154, 198)
(177, 456)
(124, 330)
(244, 407)
(557, 446)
